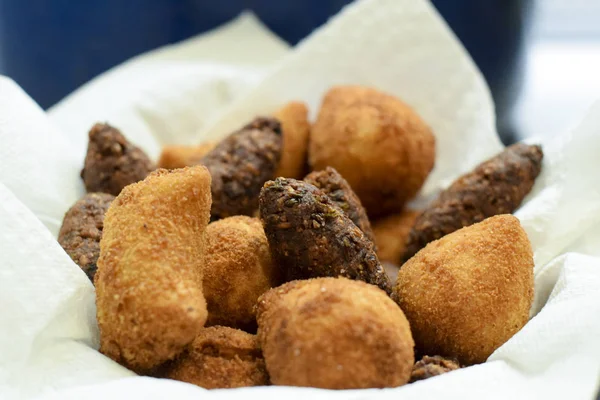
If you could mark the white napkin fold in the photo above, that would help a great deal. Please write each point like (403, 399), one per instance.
(48, 335)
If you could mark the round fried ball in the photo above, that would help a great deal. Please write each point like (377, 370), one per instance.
(220, 357)
(237, 270)
(469, 292)
(391, 234)
(376, 142)
(334, 333)
(295, 130)
(428, 367)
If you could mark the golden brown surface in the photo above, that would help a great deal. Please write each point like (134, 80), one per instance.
(469, 292)
(428, 367)
(295, 129)
(81, 230)
(176, 156)
(334, 333)
(149, 281)
(220, 357)
(237, 270)
(379, 144)
(391, 233)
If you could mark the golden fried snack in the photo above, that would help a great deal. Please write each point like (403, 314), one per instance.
(176, 156)
(376, 142)
(428, 367)
(391, 233)
(241, 164)
(309, 236)
(334, 333)
(220, 357)
(111, 162)
(469, 292)
(496, 186)
(237, 270)
(81, 230)
(336, 187)
(149, 281)
(295, 130)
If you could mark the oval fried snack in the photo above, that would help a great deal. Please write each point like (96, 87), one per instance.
(469, 292)
(309, 236)
(237, 270)
(334, 333)
(241, 164)
(220, 357)
(81, 230)
(336, 187)
(149, 281)
(295, 129)
(175, 156)
(379, 144)
(496, 186)
(391, 234)
(428, 367)
(112, 162)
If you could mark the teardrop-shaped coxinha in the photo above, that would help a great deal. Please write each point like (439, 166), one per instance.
(149, 296)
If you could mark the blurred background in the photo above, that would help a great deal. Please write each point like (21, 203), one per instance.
(540, 57)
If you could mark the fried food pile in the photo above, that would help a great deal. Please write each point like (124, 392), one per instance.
(287, 254)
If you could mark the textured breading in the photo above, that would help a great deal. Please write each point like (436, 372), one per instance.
(237, 270)
(496, 186)
(428, 367)
(175, 156)
(295, 130)
(111, 162)
(334, 333)
(377, 143)
(391, 233)
(81, 230)
(240, 164)
(336, 187)
(149, 281)
(309, 236)
(220, 357)
(469, 292)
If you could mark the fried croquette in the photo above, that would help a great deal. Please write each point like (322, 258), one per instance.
(497, 186)
(172, 157)
(295, 129)
(428, 367)
(309, 236)
(81, 230)
(376, 142)
(391, 234)
(334, 333)
(469, 292)
(241, 164)
(220, 357)
(336, 187)
(149, 281)
(237, 270)
(111, 162)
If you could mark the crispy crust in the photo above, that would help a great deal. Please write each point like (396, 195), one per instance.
(81, 230)
(336, 187)
(173, 157)
(309, 236)
(149, 282)
(428, 367)
(296, 129)
(111, 162)
(497, 186)
(334, 333)
(220, 357)
(469, 292)
(241, 164)
(391, 233)
(238, 269)
(376, 142)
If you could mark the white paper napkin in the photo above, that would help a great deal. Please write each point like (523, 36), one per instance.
(48, 334)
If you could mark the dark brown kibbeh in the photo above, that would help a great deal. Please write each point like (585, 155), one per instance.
(428, 367)
(239, 166)
(81, 230)
(309, 236)
(337, 188)
(496, 186)
(112, 162)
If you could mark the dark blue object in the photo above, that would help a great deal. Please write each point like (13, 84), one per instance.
(51, 47)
